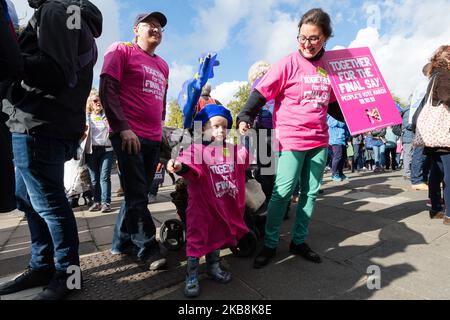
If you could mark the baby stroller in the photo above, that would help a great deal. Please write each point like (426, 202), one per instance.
(173, 235)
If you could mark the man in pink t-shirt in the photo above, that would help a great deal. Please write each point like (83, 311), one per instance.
(133, 89)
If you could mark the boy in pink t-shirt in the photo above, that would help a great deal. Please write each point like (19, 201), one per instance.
(215, 171)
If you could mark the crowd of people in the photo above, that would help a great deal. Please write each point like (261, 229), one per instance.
(62, 140)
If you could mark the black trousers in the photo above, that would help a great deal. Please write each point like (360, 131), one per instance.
(390, 157)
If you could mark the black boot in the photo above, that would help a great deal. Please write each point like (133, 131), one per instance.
(264, 257)
(305, 251)
(30, 278)
(88, 197)
(73, 201)
(214, 270)
(58, 287)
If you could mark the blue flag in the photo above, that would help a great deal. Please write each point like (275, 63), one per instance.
(192, 89)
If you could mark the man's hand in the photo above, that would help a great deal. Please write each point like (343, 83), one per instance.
(173, 166)
(130, 142)
(243, 127)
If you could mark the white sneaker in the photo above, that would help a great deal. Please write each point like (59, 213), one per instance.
(95, 207)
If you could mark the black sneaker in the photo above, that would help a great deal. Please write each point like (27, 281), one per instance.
(30, 278)
(57, 289)
(156, 260)
(437, 214)
(263, 257)
(305, 251)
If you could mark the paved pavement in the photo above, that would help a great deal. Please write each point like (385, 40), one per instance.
(373, 221)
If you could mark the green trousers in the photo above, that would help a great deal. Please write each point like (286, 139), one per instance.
(308, 166)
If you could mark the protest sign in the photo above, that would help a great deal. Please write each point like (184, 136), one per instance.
(360, 89)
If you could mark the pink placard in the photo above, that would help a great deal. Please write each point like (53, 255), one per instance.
(361, 91)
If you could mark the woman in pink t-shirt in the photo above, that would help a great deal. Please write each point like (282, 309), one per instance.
(303, 96)
(215, 171)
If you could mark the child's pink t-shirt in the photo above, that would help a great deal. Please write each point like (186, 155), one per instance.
(143, 84)
(302, 91)
(216, 205)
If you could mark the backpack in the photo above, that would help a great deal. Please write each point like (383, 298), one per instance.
(83, 58)
(397, 130)
(202, 102)
(19, 94)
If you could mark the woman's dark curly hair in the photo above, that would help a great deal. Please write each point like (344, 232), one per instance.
(440, 59)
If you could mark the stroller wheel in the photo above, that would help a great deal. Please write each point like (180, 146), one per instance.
(246, 245)
(172, 234)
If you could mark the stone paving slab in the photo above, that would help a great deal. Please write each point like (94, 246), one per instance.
(441, 246)
(11, 266)
(408, 233)
(421, 257)
(360, 206)
(100, 219)
(21, 231)
(16, 247)
(404, 212)
(364, 223)
(158, 207)
(338, 244)
(296, 278)
(388, 292)
(373, 198)
(211, 290)
(87, 248)
(102, 235)
(5, 235)
(330, 214)
(413, 268)
(84, 235)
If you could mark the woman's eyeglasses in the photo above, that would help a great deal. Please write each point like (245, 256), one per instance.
(312, 40)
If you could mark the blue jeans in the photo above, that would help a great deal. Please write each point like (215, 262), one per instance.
(134, 225)
(40, 194)
(419, 166)
(378, 154)
(99, 164)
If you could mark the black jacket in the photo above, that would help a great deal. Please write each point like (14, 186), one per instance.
(10, 60)
(59, 67)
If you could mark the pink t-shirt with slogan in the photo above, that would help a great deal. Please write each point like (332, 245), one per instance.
(143, 84)
(302, 91)
(216, 205)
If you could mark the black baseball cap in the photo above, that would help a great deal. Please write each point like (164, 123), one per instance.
(157, 15)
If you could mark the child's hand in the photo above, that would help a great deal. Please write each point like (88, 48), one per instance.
(173, 166)
(243, 128)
